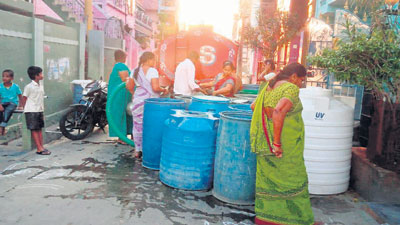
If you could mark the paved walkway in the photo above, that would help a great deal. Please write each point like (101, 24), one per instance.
(97, 182)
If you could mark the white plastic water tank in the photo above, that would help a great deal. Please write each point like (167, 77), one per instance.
(328, 141)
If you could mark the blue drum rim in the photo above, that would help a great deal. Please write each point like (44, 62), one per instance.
(235, 115)
(150, 167)
(164, 101)
(184, 189)
(231, 201)
(234, 107)
(193, 114)
(222, 101)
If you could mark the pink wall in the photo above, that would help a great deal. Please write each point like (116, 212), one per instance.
(99, 18)
(132, 49)
(42, 9)
(109, 10)
(113, 11)
(149, 4)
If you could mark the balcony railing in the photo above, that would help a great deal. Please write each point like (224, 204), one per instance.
(143, 19)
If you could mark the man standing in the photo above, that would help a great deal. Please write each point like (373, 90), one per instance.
(185, 75)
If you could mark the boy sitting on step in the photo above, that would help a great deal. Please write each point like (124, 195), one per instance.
(11, 96)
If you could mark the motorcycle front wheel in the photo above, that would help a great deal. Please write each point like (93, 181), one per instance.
(75, 125)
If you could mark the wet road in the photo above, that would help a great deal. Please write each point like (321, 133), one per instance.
(98, 182)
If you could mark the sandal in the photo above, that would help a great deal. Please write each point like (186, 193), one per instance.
(44, 152)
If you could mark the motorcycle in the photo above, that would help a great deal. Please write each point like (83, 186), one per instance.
(80, 119)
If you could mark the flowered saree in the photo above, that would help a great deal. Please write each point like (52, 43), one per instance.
(143, 91)
(281, 183)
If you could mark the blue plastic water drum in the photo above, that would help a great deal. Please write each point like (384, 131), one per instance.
(77, 93)
(235, 164)
(188, 150)
(209, 104)
(240, 107)
(187, 99)
(156, 111)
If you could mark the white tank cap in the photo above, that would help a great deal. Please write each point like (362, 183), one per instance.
(316, 92)
(320, 97)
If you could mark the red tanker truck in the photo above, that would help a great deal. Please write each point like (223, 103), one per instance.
(213, 49)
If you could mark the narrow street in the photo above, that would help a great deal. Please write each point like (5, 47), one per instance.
(268, 97)
(96, 182)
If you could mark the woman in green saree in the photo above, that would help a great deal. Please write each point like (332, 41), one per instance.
(277, 137)
(119, 75)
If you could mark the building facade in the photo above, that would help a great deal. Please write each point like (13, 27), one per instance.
(134, 21)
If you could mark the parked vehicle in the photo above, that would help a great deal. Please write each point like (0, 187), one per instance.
(80, 119)
(213, 48)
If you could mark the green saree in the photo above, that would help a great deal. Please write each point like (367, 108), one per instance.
(120, 103)
(281, 183)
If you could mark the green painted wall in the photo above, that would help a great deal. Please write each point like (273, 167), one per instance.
(20, 6)
(95, 54)
(60, 31)
(61, 66)
(15, 22)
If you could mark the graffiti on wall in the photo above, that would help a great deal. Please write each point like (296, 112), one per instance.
(58, 68)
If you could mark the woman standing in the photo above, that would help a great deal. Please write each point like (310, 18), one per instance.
(147, 84)
(224, 83)
(277, 137)
(119, 74)
(267, 74)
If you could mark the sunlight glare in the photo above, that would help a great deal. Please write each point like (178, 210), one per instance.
(284, 5)
(218, 13)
